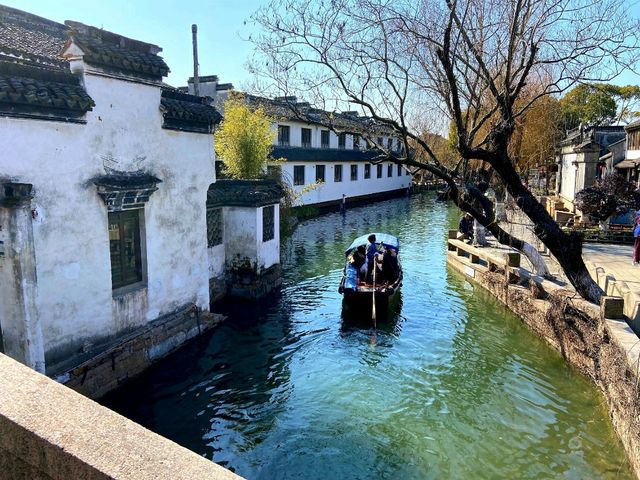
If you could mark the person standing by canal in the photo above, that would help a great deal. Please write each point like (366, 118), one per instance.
(465, 227)
(636, 244)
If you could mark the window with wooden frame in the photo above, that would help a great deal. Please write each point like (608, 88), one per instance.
(390, 170)
(324, 138)
(356, 142)
(367, 170)
(379, 170)
(124, 247)
(214, 227)
(633, 140)
(342, 140)
(337, 173)
(354, 173)
(320, 173)
(283, 135)
(298, 174)
(268, 223)
(305, 137)
(399, 170)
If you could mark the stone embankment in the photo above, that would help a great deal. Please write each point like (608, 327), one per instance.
(50, 432)
(596, 339)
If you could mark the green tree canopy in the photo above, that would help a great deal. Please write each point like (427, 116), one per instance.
(588, 104)
(244, 141)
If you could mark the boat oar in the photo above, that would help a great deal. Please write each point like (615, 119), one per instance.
(373, 302)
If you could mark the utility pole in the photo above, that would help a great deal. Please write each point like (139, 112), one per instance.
(196, 80)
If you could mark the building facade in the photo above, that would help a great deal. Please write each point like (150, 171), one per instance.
(628, 157)
(350, 162)
(581, 161)
(106, 179)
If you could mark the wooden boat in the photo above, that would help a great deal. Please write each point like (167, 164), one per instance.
(382, 282)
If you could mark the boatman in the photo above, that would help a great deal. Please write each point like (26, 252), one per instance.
(372, 250)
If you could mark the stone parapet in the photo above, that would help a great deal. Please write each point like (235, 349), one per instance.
(48, 431)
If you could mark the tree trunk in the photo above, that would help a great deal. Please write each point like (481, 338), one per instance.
(539, 265)
(566, 248)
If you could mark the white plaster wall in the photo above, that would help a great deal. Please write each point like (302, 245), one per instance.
(331, 191)
(568, 174)
(216, 260)
(295, 136)
(70, 231)
(240, 231)
(633, 154)
(243, 236)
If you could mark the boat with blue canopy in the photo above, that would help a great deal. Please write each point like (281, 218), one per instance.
(372, 271)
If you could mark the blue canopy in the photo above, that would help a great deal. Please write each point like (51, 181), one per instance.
(389, 241)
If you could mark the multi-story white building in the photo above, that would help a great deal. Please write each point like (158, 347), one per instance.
(324, 165)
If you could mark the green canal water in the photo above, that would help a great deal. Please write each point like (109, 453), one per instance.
(455, 387)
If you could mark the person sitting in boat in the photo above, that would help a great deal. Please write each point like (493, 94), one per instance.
(358, 259)
(390, 266)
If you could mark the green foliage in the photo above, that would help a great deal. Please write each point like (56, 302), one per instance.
(244, 141)
(588, 104)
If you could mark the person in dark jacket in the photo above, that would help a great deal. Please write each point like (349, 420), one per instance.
(465, 228)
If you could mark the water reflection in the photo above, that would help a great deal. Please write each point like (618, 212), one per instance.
(453, 386)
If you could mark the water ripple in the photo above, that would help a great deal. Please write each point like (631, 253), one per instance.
(454, 387)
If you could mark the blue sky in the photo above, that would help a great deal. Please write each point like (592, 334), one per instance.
(222, 31)
(167, 23)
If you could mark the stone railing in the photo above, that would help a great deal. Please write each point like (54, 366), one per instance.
(48, 431)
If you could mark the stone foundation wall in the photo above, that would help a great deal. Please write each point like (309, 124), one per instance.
(601, 348)
(246, 281)
(132, 354)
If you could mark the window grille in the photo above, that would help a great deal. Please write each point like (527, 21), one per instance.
(214, 227)
(268, 223)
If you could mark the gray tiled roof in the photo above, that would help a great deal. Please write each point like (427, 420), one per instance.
(31, 39)
(244, 193)
(30, 87)
(288, 108)
(633, 125)
(113, 51)
(188, 112)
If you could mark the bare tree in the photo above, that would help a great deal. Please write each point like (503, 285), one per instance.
(467, 62)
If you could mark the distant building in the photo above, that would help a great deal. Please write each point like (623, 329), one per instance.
(628, 157)
(109, 215)
(581, 161)
(342, 163)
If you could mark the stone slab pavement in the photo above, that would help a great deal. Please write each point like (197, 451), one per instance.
(612, 268)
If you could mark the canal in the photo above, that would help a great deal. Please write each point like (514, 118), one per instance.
(453, 387)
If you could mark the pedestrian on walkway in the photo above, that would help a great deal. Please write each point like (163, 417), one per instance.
(636, 245)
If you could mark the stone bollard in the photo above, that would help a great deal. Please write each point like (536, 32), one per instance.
(611, 307)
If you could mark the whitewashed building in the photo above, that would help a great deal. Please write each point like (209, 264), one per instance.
(580, 163)
(109, 219)
(342, 165)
